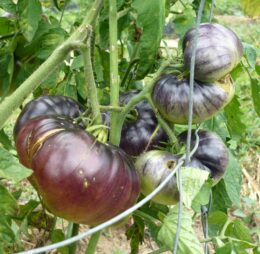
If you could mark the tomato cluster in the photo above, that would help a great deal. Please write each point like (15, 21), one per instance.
(86, 181)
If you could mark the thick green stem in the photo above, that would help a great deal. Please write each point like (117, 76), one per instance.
(111, 108)
(114, 80)
(135, 99)
(49, 66)
(90, 83)
(93, 243)
(74, 232)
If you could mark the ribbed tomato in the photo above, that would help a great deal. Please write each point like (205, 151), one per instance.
(171, 97)
(78, 178)
(218, 51)
(137, 135)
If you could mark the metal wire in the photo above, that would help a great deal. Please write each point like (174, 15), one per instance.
(188, 142)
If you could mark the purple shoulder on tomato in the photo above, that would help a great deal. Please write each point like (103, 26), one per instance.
(48, 105)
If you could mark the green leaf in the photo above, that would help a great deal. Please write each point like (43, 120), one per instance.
(255, 88)
(237, 229)
(57, 235)
(257, 69)
(30, 15)
(188, 242)
(10, 168)
(150, 26)
(216, 221)
(184, 21)
(8, 205)
(50, 41)
(220, 197)
(6, 232)
(233, 180)
(8, 6)
(202, 198)
(226, 249)
(234, 117)
(250, 54)
(192, 181)
(256, 250)
(251, 7)
(4, 139)
(6, 26)
(136, 234)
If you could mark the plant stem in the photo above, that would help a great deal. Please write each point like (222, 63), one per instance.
(50, 65)
(93, 243)
(222, 233)
(114, 82)
(90, 83)
(162, 122)
(74, 232)
(135, 99)
(122, 13)
(110, 108)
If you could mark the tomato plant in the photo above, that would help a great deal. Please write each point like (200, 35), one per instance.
(96, 106)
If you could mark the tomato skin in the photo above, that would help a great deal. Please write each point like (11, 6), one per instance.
(78, 178)
(48, 105)
(212, 151)
(218, 51)
(154, 167)
(171, 97)
(136, 135)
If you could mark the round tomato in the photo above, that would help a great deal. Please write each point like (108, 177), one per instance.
(78, 178)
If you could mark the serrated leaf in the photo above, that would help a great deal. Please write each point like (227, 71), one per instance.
(30, 15)
(255, 88)
(233, 180)
(8, 5)
(150, 24)
(250, 54)
(10, 168)
(234, 117)
(251, 7)
(188, 242)
(216, 221)
(192, 181)
(8, 205)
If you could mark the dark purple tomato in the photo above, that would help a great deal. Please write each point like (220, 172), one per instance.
(56, 105)
(136, 134)
(154, 167)
(78, 178)
(171, 97)
(219, 50)
(211, 152)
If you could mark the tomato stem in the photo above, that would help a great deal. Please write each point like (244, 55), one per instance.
(162, 122)
(90, 84)
(114, 76)
(93, 243)
(74, 232)
(50, 65)
(135, 99)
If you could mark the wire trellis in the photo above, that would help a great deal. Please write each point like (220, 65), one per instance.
(183, 160)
